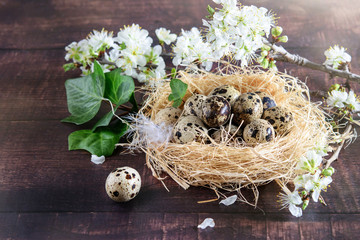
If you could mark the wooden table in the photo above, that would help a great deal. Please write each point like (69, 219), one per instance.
(48, 192)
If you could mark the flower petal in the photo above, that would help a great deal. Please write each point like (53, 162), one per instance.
(229, 201)
(208, 222)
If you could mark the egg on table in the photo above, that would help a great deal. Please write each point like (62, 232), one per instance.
(168, 115)
(247, 107)
(188, 129)
(193, 104)
(227, 91)
(258, 131)
(280, 118)
(267, 100)
(216, 111)
(123, 184)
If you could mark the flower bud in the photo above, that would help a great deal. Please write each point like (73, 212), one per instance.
(335, 87)
(272, 65)
(305, 204)
(276, 31)
(328, 172)
(264, 53)
(210, 10)
(265, 63)
(283, 39)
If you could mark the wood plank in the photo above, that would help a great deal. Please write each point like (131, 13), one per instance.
(307, 23)
(38, 173)
(130, 225)
(346, 226)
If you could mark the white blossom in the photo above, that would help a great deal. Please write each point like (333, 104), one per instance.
(310, 162)
(99, 41)
(337, 98)
(238, 31)
(352, 101)
(290, 200)
(165, 36)
(335, 56)
(190, 48)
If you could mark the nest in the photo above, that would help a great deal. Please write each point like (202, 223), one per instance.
(232, 166)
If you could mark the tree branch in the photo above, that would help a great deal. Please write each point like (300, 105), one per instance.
(283, 55)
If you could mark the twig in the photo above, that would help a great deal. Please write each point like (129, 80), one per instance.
(336, 153)
(284, 56)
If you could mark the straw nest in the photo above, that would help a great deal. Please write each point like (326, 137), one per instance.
(231, 165)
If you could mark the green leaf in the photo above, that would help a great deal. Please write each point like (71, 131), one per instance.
(178, 90)
(104, 121)
(101, 142)
(84, 96)
(132, 100)
(118, 87)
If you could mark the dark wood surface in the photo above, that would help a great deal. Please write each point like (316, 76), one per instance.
(47, 192)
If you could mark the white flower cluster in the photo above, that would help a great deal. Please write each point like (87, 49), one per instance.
(190, 48)
(130, 50)
(310, 183)
(237, 31)
(342, 99)
(335, 56)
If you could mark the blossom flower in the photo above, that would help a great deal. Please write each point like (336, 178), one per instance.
(238, 31)
(165, 36)
(99, 41)
(290, 200)
(335, 56)
(316, 184)
(352, 101)
(337, 99)
(310, 162)
(190, 48)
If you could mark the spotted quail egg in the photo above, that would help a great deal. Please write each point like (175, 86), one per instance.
(258, 131)
(193, 104)
(168, 115)
(216, 111)
(267, 100)
(247, 107)
(189, 128)
(280, 118)
(227, 91)
(225, 133)
(123, 184)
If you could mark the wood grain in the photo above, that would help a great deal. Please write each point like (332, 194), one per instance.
(48, 192)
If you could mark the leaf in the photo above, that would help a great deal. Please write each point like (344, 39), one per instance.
(104, 121)
(118, 88)
(178, 90)
(84, 96)
(132, 100)
(101, 142)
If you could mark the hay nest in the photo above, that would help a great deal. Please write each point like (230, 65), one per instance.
(233, 165)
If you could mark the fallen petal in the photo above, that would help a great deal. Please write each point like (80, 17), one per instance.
(208, 222)
(97, 160)
(228, 201)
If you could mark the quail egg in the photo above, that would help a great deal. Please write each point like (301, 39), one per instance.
(226, 91)
(267, 100)
(193, 104)
(168, 115)
(258, 131)
(225, 133)
(123, 184)
(280, 118)
(216, 111)
(189, 128)
(247, 107)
